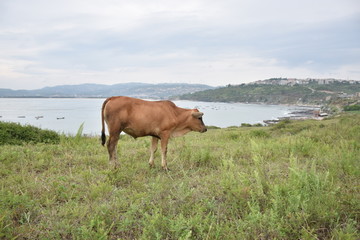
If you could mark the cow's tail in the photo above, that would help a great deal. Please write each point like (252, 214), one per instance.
(103, 136)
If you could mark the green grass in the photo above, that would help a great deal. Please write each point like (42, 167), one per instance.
(294, 180)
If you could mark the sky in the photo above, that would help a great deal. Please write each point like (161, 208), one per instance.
(61, 42)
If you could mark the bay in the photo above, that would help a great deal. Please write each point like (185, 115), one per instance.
(65, 115)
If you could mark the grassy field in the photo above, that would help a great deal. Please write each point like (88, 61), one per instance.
(293, 180)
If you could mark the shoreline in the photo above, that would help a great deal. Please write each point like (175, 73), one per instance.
(296, 115)
(169, 99)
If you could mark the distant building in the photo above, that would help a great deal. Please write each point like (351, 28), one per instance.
(294, 81)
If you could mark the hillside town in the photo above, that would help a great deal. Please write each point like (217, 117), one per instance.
(311, 81)
(296, 81)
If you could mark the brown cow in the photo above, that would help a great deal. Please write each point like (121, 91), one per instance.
(138, 118)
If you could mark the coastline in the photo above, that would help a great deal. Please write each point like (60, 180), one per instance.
(304, 114)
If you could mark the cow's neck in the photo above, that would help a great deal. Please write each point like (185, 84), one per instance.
(181, 127)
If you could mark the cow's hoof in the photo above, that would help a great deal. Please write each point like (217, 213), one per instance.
(115, 165)
(166, 169)
(151, 165)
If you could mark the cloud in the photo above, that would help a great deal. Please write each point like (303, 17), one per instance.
(214, 42)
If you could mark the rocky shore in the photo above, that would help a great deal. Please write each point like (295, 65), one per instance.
(300, 114)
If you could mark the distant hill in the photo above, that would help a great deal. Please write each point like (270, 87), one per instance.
(281, 91)
(140, 90)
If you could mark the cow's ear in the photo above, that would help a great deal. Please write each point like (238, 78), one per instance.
(197, 114)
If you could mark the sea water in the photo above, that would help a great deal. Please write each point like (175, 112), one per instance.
(65, 115)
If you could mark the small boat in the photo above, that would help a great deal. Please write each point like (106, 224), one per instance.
(21, 116)
(37, 117)
(59, 118)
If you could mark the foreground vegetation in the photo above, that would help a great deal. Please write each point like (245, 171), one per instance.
(293, 180)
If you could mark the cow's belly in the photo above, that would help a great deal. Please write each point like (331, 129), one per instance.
(138, 133)
(133, 132)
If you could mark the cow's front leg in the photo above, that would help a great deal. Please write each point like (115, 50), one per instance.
(164, 143)
(111, 146)
(153, 148)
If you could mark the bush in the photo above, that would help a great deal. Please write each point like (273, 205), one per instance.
(355, 107)
(213, 127)
(16, 134)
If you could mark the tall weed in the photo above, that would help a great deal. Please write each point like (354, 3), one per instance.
(79, 132)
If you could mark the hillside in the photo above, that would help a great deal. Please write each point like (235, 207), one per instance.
(140, 90)
(272, 93)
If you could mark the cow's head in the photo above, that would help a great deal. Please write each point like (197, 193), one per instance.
(196, 122)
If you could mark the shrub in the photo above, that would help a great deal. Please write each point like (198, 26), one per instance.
(355, 107)
(213, 127)
(16, 134)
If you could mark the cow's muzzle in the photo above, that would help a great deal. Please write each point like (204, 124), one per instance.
(203, 130)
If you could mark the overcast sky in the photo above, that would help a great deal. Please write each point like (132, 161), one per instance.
(47, 43)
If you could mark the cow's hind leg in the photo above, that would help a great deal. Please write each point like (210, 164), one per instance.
(153, 148)
(111, 146)
(164, 143)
